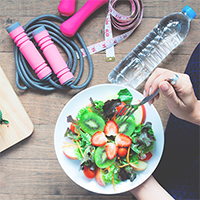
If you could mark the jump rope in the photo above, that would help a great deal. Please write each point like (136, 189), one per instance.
(45, 32)
(50, 81)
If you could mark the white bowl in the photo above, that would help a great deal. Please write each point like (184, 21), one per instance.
(71, 167)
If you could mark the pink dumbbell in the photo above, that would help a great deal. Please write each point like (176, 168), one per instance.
(67, 7)
(70, 26)
(52, 55)
(29, 50)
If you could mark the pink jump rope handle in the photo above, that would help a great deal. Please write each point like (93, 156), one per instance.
(52, 55)
(67, 7)
(70, 26)
(29, 50)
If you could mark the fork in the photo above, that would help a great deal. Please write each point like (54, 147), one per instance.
(128, 110)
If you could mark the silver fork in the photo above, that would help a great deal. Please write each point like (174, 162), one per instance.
(128, 110)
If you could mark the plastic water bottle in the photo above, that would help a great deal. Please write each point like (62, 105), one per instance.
(144, 58)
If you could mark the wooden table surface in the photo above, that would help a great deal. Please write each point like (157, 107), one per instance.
(29, 169)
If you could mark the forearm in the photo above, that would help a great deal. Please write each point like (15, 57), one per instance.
(150, 190)
(195, 116)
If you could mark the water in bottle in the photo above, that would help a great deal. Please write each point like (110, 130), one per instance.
(144, 58)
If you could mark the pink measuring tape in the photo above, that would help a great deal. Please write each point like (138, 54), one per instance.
(119, 22)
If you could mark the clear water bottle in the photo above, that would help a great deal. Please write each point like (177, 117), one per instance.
(144, 58)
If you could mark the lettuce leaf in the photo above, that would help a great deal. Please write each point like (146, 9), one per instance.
(125, 96)
(108, 175)
(81, 112)
(78, 153)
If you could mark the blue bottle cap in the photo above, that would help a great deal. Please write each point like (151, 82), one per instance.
(189, 12)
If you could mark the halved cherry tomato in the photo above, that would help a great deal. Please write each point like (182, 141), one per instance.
(88, 172)
(73, 128)
(120, 107)
(122, 151)
(148, 156)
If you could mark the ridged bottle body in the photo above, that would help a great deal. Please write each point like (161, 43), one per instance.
(149, 53)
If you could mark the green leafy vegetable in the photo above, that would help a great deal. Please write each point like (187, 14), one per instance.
(108, 174)
(88, 158)
(70, 119)
(125, 96)
(71, 134)
(78, 153)
(97, 107)
(82, 112)
(109, 108)
(85, 136)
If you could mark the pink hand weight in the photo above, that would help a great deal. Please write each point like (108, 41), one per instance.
(29, 51)
(70, 26)
(52, 55)
(67, 7)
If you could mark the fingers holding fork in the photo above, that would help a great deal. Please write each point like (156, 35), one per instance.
(160, 79)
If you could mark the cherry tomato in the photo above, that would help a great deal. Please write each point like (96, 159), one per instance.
(88, 172)
(148, 156)
(120, 107)
(73, 128)
(122, 151)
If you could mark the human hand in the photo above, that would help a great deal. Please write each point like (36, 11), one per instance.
(151, 190)
(180, 97)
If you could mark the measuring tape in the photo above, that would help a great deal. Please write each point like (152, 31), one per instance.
(119, 22)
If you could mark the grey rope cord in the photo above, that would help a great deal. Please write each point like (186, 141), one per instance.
(25, 73)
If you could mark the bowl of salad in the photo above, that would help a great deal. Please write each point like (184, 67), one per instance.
(101, 152)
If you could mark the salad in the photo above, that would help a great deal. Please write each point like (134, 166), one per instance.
(110, 150)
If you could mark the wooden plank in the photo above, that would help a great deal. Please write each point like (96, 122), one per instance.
(156, 8)
(20, 125)
(43, 177)
(40, 146)
(161, 8)
(64, 197)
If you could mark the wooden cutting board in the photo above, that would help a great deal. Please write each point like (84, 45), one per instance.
(20, 125)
